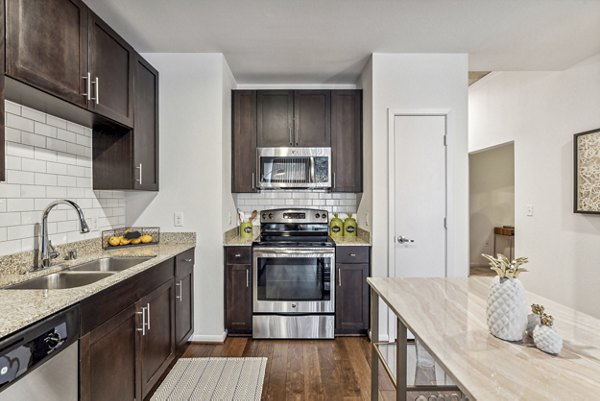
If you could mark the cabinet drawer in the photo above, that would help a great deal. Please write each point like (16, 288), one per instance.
(238, 255)
(184, 263)
(352, 254)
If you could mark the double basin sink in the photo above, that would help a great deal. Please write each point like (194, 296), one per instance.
(80, 275)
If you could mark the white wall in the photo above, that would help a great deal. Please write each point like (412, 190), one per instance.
(491, 200)
(412, 82)
(541, 111)
(194, 171)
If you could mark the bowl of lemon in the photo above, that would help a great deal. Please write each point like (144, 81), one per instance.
(130, 236)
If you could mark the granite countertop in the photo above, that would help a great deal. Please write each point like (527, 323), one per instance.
(232, 238)
(20, 308)
(351, 241)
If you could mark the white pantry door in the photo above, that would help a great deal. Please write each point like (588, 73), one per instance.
(419, 196)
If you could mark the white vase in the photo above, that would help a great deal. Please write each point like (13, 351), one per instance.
(507, 309)
(533, 320)
(547, 339)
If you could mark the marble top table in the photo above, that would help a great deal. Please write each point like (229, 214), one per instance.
(448, 317)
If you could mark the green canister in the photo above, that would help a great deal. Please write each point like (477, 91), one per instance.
(350, 227)
(246, 230)
(336, 227)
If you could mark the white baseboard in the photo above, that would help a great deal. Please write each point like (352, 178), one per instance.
(209, 338)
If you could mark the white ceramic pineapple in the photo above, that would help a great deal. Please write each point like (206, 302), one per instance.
(534, 318)
(546, 338)
(506, 304)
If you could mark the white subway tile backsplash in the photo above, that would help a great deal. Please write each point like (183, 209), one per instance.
(11, 107)
(18, 122)
(332, 202)
(33, 114)
(19, 205)
(33, 165)
(12, 135)
(49, 158)
(45, 129)
(19, 177)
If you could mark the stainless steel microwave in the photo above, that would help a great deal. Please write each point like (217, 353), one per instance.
(293, 168)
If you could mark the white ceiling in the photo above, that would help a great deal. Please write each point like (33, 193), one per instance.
(329, 41)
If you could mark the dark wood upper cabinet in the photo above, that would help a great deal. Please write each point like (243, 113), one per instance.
(346, 140)
(110, 61)
(274, 118)
(312, 126)
(243, 141)
(145, 134)
(47, 44)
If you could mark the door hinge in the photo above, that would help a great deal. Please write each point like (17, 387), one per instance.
(445, 223)
(445, 141)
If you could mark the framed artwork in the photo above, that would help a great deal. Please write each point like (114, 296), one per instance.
(587, 172)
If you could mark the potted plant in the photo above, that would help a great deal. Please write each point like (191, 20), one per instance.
(506, 304)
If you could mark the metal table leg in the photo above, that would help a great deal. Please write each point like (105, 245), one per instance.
(401, 362)
(374, 340)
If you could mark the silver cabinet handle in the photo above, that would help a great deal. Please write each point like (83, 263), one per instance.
(353, 255)
(339, 277)
(189, 260)
(180, 286)
(253, 179)
(143, 328)
(334, 180)
(139, 167)
(237, 255)
(148, 310)
(247, 277)
(291, 139)
(97, 87)
(88, 86)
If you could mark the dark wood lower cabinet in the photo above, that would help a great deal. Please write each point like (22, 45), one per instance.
(108, 360)
(184, 298)
(238, 299)
(157, 341)
(352, 291)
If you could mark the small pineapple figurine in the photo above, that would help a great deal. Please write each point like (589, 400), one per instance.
(545, 337)
(506, 305)
(534, 318)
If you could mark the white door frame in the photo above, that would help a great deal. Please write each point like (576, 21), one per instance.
(392, 114)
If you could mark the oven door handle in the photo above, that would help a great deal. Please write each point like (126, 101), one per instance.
(293, 252)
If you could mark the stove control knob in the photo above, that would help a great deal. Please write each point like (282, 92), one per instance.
(270, 215)
(317, 215)
(264, 216)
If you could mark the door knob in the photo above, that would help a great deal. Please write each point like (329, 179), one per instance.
(403, 240)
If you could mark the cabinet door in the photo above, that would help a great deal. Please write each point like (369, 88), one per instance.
(243, 142)
(145, 128)
(110, 62)
(46, 46)
(352, 299)
(312, 127)
(346, 141)
(274, 118)
(238, 299)
(184, 297)
(157, 342)
(108, 360)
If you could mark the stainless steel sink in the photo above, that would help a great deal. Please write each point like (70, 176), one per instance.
(110, 264)
(60, 280)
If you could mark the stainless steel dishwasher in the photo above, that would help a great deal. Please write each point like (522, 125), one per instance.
(40, 362)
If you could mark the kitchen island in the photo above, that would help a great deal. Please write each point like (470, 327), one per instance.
(448, 317)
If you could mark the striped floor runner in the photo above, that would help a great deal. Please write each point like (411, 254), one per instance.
(223, 379)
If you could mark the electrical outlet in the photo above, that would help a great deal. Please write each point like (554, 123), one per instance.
(178, 219)
(367, 219)
(529, 210)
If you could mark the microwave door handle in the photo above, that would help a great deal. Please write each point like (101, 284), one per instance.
(312, 169)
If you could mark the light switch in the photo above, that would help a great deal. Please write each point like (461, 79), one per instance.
(178, 219)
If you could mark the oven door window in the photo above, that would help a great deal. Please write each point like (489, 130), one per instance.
(293, 279)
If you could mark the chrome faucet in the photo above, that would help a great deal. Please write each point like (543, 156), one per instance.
(48, 251)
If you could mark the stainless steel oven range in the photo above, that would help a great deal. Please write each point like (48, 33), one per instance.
(293, 275)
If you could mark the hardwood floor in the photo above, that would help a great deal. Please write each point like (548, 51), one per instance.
(307, 369)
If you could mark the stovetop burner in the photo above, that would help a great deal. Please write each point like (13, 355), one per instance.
(294, 228)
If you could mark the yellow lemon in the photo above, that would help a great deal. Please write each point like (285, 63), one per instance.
(114, 241)
(136, 241)
(146, 238)
(124, 241)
